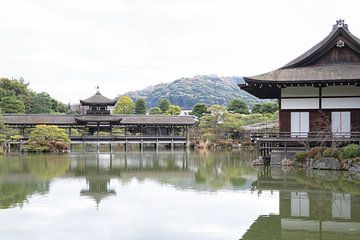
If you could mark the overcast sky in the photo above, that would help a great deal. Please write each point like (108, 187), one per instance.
(68, 47)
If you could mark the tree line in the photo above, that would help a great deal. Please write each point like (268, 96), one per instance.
(125, 105)
(224, 125)
(16, 97)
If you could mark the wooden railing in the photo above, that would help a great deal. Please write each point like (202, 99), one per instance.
(306, 135)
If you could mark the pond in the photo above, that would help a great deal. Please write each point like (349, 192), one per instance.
(172, 195)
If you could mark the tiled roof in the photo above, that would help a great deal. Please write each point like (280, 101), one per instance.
(57, 119)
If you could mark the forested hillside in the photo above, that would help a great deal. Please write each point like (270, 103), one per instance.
(185, 92)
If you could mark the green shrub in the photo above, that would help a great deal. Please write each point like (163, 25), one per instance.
(357, 159)
(338, 154)
(329, 152)
(351, 151)
(300, 156)
(315, 151)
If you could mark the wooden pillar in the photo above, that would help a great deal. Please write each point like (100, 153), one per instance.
(98, 129)
(125, 160)
(187, 137)
(110, 129)
(142, 145)
(125, 131)
(70, 131)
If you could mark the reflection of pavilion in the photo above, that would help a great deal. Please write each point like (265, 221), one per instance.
(98, 188)
(306, 212)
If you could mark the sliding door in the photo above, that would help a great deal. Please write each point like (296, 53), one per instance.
(341, 124)
(299, 124)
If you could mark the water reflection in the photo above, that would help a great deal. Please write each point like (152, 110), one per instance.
(23, 176)
(313, 205)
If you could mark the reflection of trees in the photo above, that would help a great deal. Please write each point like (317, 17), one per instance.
(219, 170)
(330, 180)
(46, 167)
(193, 170)
(16, 182)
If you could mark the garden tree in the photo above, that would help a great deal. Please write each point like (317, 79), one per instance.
(232, 125)
(13, 87)
(199, 110)
(11, 104)
(238, 106)
(32, 101)
(269, 107)
(42, 103)
(210, 124)
(155, 111)
(173, 110)
(164, 105)
(6, 132)
(140, 106)
(124, 105)
(47, 138)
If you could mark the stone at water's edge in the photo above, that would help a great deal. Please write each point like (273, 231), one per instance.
(278, 156)
(353, 166)
(286, 162)
(329, 163)
(258, 162)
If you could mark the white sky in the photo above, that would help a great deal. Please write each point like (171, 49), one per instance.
(68, 47)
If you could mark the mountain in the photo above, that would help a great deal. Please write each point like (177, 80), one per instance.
(185, 92)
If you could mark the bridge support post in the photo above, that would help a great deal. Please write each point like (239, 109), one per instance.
(172, 144)
(142, 145)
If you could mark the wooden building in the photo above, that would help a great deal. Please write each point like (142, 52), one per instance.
(318, 91)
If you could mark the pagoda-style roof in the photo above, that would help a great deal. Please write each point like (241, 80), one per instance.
(98, 99)
(333, 61)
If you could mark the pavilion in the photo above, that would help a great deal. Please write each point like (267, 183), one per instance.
(96, 124)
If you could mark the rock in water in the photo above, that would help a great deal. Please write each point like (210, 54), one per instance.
(286, 162)
(329, 163)
(257, 162)
(353, 166)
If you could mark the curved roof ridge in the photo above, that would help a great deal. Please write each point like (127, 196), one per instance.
(338, 29)
(98, 98)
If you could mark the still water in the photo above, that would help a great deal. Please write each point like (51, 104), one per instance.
(172, 195)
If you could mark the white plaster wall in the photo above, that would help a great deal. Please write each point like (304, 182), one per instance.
(340, 103)
(300, 92)
(335, 91)
(300, 103)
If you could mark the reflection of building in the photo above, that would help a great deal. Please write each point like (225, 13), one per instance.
(98, 188)
(306, 212)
